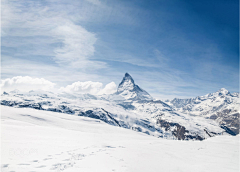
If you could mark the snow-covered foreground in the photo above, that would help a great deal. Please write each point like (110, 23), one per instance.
(34, 140)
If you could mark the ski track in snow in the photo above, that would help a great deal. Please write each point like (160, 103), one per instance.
(62, 160)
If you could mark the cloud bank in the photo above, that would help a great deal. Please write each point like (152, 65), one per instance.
(95, 88)
(26, 83)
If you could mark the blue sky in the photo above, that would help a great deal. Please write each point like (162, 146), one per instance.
(171, 48)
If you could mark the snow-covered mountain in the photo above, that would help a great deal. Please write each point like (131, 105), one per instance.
(130, 107)
(130, 91)
(221, 106)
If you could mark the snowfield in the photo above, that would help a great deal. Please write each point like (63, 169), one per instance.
(35, 140)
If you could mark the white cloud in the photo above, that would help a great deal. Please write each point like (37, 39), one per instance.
(78, 45)
(95, 88)
(109, 88)
(83, 87)
(26, 83)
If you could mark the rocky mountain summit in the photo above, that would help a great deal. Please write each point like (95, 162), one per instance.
(130, 91)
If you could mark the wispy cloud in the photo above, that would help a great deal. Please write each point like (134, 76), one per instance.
(78, 45)
(30, 21)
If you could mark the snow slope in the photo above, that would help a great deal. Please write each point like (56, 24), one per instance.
(34, 140)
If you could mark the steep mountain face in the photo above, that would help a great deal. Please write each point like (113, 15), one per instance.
(221, 106)
(133, 108)
(130, 91)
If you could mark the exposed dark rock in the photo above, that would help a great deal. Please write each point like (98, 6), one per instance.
(213, 117)
(228, 118)
(127, 106)
(100, 114)
(37, 106)
(8, 103)
(54, 110)
(108, 114)
(138, 129)
(5, 93)
(228, 130)
(66, 109)
(146, 132)
(179, 131)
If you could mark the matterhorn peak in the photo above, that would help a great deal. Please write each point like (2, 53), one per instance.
(130, 91)
(127, 83)
(127, 75)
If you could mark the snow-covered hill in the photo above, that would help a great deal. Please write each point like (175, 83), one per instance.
(130, 107)
(34, 140)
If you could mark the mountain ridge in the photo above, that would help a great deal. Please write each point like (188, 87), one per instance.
(136, 110)
(221, 106)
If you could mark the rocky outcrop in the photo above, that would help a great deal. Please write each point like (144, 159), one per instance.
(178, 131)
(228, 118)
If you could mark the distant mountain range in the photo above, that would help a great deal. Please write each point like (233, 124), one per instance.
(133, 108)
(221, 106)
